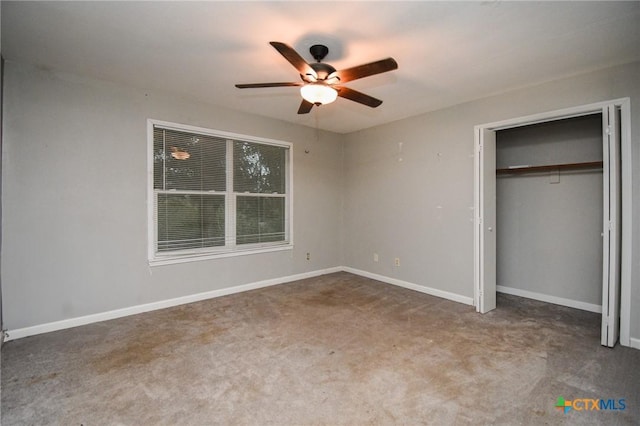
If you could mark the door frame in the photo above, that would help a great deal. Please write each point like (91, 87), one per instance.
(624, 104)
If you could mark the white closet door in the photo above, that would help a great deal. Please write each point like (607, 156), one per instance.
(487, 222)
(611, 227)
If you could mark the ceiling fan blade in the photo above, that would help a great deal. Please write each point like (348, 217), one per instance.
(295, 59)
(366, 70)
(258, 85)
(354, 95)
(305, 107)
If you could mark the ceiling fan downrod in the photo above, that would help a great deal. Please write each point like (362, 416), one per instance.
(318, 51)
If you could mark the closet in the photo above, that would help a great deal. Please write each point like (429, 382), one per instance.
(549, 198)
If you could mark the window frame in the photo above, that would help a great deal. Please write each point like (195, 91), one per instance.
(230, 248)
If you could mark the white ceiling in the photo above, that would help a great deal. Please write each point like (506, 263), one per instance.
(448, 52)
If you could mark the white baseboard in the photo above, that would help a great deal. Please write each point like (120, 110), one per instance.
(132, 310)
(634, 343)
(138, 309)
(422, 289)
(550, 299)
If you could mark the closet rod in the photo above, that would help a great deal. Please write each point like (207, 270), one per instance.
(550, 167)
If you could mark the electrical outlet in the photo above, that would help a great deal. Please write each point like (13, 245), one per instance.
(308, 256)
(375, 257)
(397, 263)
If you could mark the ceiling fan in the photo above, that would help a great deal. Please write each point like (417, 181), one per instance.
(321, 83)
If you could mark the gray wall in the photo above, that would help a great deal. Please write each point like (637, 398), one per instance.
(1, 127)
(1, 131)
(74, 240)
(420, 209)
(74, 196)
(548, 232)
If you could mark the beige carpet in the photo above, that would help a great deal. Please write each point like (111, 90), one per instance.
(338, 350)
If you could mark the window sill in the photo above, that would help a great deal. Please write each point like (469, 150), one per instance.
(170, 259)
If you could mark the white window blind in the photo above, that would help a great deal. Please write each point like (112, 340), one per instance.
(214, 194)
(259, 178)
(189, 179)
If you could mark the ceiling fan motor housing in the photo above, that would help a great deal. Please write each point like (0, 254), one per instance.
(322, 70)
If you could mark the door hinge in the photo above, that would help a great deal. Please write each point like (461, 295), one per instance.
(608, 130)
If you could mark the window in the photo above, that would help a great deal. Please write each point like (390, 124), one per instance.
(216, 194)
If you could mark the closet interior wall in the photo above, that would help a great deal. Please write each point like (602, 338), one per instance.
(549, 222)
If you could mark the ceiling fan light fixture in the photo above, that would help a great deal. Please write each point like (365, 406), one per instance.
(318, 93)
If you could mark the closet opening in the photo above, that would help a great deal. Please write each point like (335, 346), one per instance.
(549, 216)
(552, 198)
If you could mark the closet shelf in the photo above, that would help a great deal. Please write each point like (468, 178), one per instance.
(550, 167)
